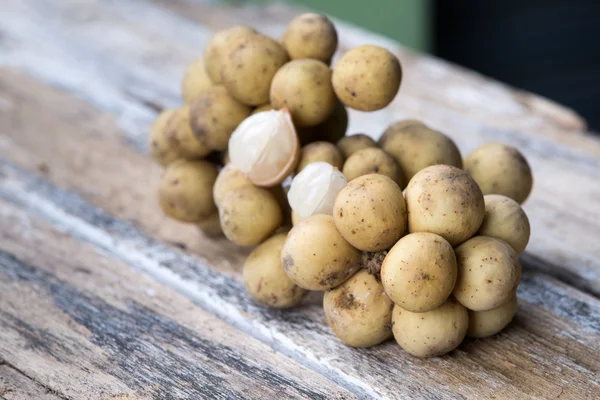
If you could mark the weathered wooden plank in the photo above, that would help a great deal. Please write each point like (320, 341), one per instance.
(88, 327)
(135, 79)
(16, 386)
(556, 324)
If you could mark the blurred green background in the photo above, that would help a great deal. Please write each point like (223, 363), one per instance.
(408, 21)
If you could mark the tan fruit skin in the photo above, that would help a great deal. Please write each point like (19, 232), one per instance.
(316, 257)
(488, 323)
(304, 88)
(320, 151)
(446, 201)
(331, 130)
(249, 215)
(171, 138)
(214, 115)
(229, 179)
(401, 140)
(419, 272)
(358, 311)
(505, 219)
(265, 278)
(195, 80)
(185, 190)
(500, 169)
(432, 333)
(373, 160)
(489, 272)
(211, 227)
(217, 46)
(249, 65)
(367, 78)
(349, 145)
(370, 212)
(310, 36)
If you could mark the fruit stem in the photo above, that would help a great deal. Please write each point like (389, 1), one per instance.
(372, 262)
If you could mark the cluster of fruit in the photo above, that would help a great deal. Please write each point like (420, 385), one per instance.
(428, 265)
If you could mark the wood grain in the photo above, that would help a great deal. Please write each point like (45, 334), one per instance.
(16, 386)
(125, 74)
(87, 326)
(556, 325)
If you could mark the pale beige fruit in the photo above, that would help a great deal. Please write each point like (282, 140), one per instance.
(195, 80)
(249, 65)
(249, 215)
(358, 311)
(313, 191)
(416, 146)
(264, 107)
(500, 169)
(370, 212)
(419, 272)
(211, 227)
(349, 145)
(373, 160)
(304, 88)
(217, 46)
(229, 179)
(331, 130)
(265, 278)
(432, 333)
(489, 272)
(185, 190)
(214, 115)
(367, 78)
(310, 35)
(316, 257)
(505, 219)
(265, 147)
(444, 200)
(296, 217)
(171, 138)
(488, 323)
(320, 151)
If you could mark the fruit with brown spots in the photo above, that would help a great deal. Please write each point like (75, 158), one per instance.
(373, 160)
(358, 311)
(216, 48)
(171, 138)
(488, 323)
(304, 88)
(316, 257)
(446, 201)
(229, 179)
(185, 190)
(320, 151)
(370, 212)
(249, 215)
(349, 145)
(432, 333)
(214, 115)
(500, 169)
(331, 130)
(489, 272)
(419, 272)
(416, 146)
(367, 78)
(505, 219)
(249, 65)
(265, 278)
(310, 36)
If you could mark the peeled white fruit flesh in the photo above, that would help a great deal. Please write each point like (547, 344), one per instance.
(315, 188)
(265, 147)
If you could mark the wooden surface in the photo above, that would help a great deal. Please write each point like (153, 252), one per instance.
(101, 296)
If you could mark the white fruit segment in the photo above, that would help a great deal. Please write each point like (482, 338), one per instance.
(264, 145)
(315, 188)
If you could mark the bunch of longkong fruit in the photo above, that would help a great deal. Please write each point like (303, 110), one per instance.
(403, 236)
